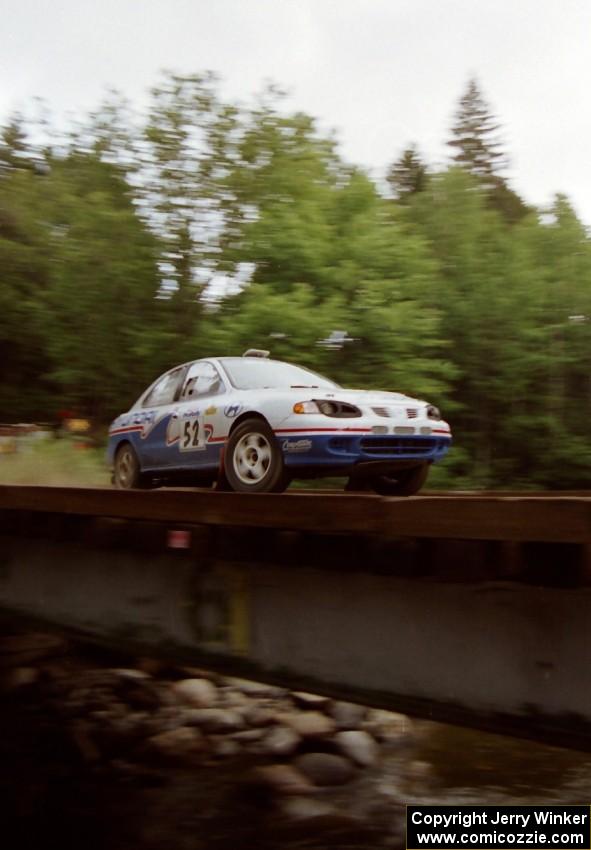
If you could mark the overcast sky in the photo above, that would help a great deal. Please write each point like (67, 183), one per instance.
(382, 73)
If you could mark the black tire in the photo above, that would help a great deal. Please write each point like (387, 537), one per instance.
(253, 462)
(405, 482)
(126, 473)
(355, 484)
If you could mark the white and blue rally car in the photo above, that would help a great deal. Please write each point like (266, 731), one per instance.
(252, 424)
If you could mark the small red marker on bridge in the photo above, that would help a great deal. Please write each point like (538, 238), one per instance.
(178, 539)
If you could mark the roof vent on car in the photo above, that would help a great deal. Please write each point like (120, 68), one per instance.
(256, 352)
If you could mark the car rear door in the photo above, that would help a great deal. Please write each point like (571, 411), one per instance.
(158, 409)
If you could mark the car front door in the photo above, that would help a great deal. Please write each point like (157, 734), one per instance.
(195, 427)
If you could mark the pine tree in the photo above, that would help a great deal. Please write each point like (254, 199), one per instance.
(14, 147)
(477, 149)
(474, 137)
(408, 174)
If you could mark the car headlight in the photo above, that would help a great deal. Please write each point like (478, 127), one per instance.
(433, 412)
(306, 407)
(336, 409)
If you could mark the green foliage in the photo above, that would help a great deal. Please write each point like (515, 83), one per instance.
(25, 274)
(288, 323)
(278, 193)
(79, 322)
(102, 320)
(507, 299)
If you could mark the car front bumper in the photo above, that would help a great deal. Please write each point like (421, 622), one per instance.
(347, 448)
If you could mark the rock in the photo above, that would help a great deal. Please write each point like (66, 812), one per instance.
(390, 789)
(259, 716)
(55, 671)
(309, 724)
(113, 712)
(347, 715)
(248, 736)
(198, 692)
(388, 718)
(325, 768)
(138, 689)
(118, 731)
(182, 744)
(358, 746)
(84, 742)
(129, 675)
(214, 719)
(387, 726)
(151, 666)
(335, 829)
(255, 689)
(25, 649)
(19, 677)
(168, 717)
(332, 829)
(279, 741)
(305, 700)
(282, 778)
(139, 773)
(166, 697)
(304, 808)
(143, 697)
(189, 672)
(235, 699)
(419, 771)
(224, 747)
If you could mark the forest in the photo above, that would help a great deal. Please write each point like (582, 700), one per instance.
(133, 242)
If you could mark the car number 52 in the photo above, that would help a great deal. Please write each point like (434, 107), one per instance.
(191, 436)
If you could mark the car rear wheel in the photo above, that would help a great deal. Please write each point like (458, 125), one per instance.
(253, 460)
(405, 482)
(127, 473)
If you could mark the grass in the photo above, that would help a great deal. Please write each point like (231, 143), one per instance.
(58, 462)
(66, 462)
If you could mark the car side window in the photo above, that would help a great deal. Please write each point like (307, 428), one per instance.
(164, 391)
(201, 379)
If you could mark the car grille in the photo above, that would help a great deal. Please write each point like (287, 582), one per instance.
(398, 445)
(411, 412)
(343, 444)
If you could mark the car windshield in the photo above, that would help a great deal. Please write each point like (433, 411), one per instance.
(251, 373)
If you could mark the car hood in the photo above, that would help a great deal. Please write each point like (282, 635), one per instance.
(371, 397)
(367, 398)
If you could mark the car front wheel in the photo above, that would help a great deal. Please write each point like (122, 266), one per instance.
(405, 482)
(253, 462)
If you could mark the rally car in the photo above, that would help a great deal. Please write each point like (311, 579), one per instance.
(252, 424)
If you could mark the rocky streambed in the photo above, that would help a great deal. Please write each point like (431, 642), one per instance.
(145, 754)
(102, 751)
